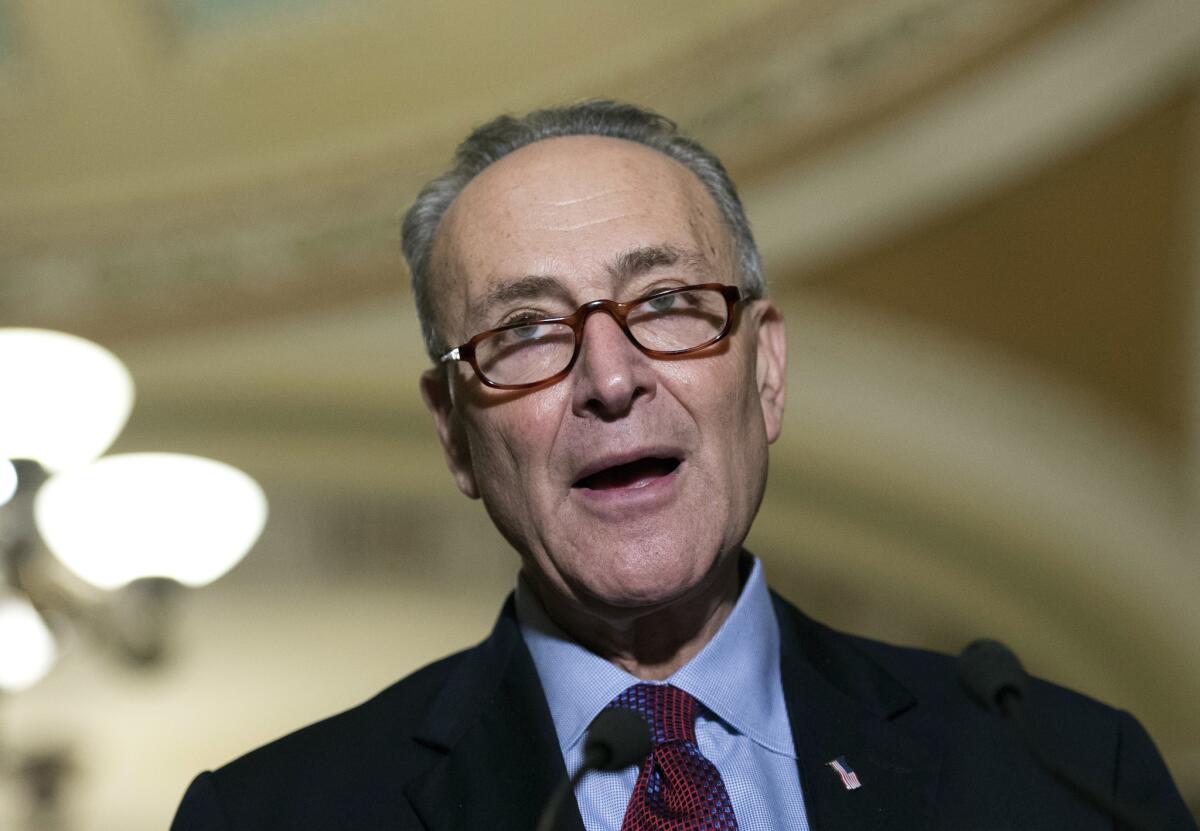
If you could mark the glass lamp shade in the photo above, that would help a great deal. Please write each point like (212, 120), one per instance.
(65, 398)
(27, 648)
(138, 515)
(8, 481)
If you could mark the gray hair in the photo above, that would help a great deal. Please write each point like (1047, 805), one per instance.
(501, 136)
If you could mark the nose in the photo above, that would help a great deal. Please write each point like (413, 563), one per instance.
(610, 373)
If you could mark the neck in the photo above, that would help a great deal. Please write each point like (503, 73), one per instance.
(650, 644)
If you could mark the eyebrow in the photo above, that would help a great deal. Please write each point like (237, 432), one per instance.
(647, 258)
(529, 287)
(624, 266)
(521, 288)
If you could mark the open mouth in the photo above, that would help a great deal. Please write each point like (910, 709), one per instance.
(636, 474)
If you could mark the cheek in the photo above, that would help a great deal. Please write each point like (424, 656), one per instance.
(512, 443)
(738, 422)
(732, 389)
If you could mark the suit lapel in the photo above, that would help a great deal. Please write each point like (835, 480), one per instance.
(502, 758)
(843, 705)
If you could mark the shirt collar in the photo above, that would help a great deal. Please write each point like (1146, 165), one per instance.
(736, 675)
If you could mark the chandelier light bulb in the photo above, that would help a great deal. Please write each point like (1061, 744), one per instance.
(27, 648)
(138, 515)
(65, 398)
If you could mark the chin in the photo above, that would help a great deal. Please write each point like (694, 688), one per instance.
(647, 576)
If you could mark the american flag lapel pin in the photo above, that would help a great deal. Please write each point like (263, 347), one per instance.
(849, 777)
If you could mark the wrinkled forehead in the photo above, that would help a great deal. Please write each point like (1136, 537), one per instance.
(568, 208)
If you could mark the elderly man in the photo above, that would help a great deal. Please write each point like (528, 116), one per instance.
(607, 377)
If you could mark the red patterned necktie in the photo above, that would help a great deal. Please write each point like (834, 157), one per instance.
(678, 789)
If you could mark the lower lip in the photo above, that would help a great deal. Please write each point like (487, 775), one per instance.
(648, 493)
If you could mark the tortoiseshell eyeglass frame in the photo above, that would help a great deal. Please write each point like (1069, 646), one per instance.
(617, 311)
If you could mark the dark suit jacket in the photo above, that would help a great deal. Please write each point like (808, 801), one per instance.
(468, 743)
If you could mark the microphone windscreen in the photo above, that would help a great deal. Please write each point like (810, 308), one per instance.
(990, 673)
(617, 739)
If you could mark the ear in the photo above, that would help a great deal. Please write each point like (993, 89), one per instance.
(771, 367)
(435, 390)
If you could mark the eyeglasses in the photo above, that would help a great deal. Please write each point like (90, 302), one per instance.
(663, 324)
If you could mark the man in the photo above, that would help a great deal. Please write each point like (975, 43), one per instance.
(607, 378)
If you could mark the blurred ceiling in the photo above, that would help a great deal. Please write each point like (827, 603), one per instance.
(1075, 271)
(173, 163)
(978, 216)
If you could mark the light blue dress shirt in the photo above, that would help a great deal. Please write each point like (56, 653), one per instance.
(745, 731)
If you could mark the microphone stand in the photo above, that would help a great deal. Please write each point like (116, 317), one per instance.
(995, 679)
(617, 738)
(549, 820)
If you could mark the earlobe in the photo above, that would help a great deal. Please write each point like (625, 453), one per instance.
(771, 368)
(435, 390)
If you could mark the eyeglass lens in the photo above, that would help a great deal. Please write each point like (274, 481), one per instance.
(665, 323)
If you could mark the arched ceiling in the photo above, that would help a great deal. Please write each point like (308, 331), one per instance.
(167, 167)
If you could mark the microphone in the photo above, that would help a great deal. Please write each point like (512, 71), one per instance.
(616, 739)
(994, 678)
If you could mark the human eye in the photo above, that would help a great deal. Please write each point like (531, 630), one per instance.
(528, 331)
(525, 326)
(663, 302)
(669, 300)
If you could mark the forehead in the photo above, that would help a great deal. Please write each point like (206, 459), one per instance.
(567, 208)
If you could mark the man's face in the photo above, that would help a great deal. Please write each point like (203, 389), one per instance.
(630, 484)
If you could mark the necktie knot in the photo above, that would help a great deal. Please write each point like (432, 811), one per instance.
(669, 711)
